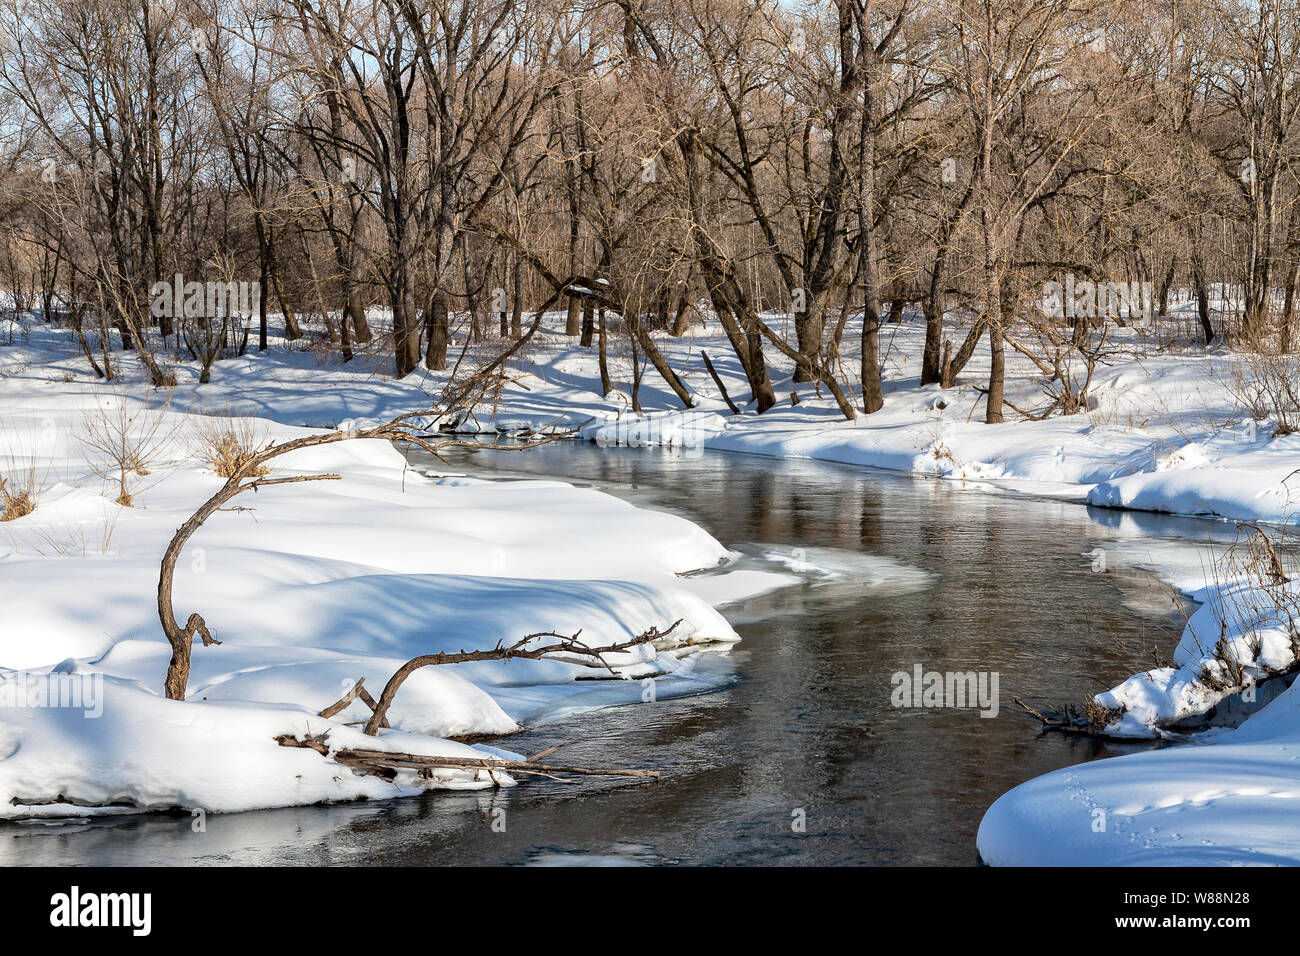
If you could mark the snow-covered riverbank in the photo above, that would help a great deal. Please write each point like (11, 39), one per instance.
(318, 585)
(308, 587)
(1165, 430)
(1226, 795)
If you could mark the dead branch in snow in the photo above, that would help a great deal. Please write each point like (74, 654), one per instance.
(358, 690)
(408, 429)
(365, 759)
(565, 644)
(386, 764)
(1091, 720)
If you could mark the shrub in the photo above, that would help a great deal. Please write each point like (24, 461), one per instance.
(228, 444)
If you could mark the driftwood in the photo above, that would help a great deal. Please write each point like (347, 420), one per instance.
(382, 758)
(548, 751)
(386, 764)
(314, 742)
(382, 763)
(358, 690)
(342, 703)
(566, 644)
(1068, 720)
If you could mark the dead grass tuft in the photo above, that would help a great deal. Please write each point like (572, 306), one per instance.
(228, 445)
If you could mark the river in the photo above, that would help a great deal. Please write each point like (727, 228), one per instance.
(801, 756)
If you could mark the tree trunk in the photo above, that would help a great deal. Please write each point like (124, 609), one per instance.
(1202, 300)
(439, 329)
(606, 385)
(262, 324)
(1166, 284)
(517, 308)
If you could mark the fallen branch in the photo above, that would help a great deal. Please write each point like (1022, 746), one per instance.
(382, 759)
(548, 751)
(358, 690)
(718, 382)
(567, 644)
(343, 702)
(386, 764)
(405, 429)
(1070, 719)
(314, 742)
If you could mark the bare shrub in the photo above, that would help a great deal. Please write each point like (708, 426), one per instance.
(125, 440)
(1266, 385)
(228, 445)
(1068, 357)
(1264, 560)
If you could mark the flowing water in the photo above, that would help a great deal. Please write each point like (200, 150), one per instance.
(800, 757)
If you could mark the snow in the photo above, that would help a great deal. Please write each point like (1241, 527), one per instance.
(153, 753)
(308, 587)
(321, 584)
(1230, 800)
(1163, 431)
(1226, 795)
(1240, 636)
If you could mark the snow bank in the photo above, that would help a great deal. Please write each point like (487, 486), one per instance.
(1163, 431)
(144, 752)
(1225, 796)
(1231, 800)
(1241, 635)
(308, 587)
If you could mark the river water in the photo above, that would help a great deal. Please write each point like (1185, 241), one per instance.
(800, 757)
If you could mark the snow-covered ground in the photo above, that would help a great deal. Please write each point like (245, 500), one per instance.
(1230, 799)
(324, 583)
(308, 587)
(1164, 431)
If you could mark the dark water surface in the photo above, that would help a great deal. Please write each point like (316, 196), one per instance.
(930, 573)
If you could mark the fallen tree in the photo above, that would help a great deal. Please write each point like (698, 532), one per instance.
(387, 764)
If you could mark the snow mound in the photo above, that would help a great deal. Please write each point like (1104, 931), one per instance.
(665, 429)
(1231, 800)
(143, 752)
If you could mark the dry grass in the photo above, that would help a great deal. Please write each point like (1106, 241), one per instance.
(15, 503)
(67, 539)
(21, 478)
(1099, 716)
(1262, 559)
(227, 444)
